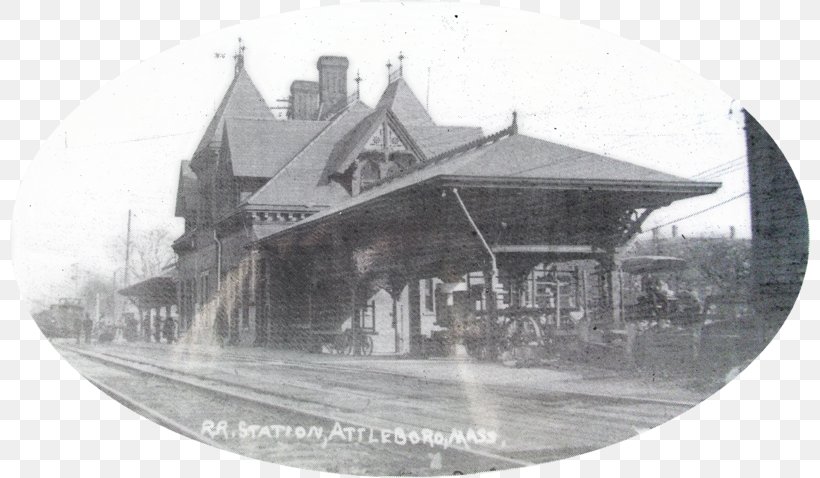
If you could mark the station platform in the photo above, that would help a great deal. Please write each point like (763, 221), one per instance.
(564, 378)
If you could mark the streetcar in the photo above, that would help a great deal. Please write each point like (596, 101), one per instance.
(60, 320)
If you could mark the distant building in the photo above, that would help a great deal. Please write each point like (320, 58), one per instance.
(347, 215)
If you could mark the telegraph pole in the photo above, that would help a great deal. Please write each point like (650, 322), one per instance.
(127, 249)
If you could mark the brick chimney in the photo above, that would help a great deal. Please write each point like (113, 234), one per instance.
(332, 83)
(304, 100)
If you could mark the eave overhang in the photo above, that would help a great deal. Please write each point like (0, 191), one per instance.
(652, 194)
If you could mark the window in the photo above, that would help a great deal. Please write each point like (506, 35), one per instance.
(429, 295)
(367, 316)
(369, 174)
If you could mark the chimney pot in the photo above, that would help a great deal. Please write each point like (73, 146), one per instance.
(304, 100)
(332, 83)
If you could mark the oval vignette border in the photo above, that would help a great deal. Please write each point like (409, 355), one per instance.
(762, 415)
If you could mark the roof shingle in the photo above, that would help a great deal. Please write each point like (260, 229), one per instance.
(300, 182)
(260, 148)
(241, 100)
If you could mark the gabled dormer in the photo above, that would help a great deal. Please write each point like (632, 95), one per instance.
(381, 145)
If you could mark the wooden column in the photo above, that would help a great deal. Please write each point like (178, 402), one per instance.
(157, 324)
(396, 285)
(354, 316)
(613, 288)
(491, 319)
(260, 285)
(414, 312)
(168, 317)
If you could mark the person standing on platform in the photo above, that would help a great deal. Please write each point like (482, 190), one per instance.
(168, 328)
(88, 326)
(157, 328)
(146, 327)
(78, 327)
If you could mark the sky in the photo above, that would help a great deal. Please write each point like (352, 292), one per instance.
(474, 66)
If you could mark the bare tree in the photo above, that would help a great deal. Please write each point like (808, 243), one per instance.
(151, 252)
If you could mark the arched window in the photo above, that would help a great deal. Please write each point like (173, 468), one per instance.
(369, 174)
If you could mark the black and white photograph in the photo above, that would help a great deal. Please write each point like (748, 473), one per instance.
(410, 240)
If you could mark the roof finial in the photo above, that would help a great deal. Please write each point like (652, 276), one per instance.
(401, 63)
(514, 125)
(389, 71)
(358, 81)
(239, 56)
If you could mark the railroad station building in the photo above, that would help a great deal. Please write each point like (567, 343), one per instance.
(347, 215)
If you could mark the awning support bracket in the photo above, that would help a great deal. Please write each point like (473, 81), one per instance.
(480, 235)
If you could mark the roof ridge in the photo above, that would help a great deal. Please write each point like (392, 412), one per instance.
(253, 118)
(299, 154)
(477, 143)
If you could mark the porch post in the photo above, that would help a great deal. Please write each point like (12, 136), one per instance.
(613, 287)
(414, 315)
(492, 315)
(168, 317)
(354, 318)
(157, 324)
(259, 284)
(396, 288)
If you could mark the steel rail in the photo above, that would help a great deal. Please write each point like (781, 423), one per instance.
(325, 366)
(154, 415)
(142, 368)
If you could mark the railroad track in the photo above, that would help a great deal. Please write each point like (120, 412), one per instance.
(393, 459)
(564, 423)
(328, 366)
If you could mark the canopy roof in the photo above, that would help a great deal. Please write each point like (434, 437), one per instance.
(518, 161)
(154, 292)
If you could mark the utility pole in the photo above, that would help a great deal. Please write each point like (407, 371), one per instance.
(427, 101)
(127, 249)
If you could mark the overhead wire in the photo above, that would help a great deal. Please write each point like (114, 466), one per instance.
(697, 213)
(133, 140)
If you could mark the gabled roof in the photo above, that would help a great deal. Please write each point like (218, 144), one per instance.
(399, 98)
(406, 115)
(261, 147)
(520, 156)
(186, 190)
(300, 182)
(242, 100)
(514, 159)
(404, 111)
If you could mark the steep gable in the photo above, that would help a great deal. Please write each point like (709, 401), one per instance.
(410, 128)
(399, 98)
(242, 100)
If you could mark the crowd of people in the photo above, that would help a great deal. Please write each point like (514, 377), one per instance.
(105, 331)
